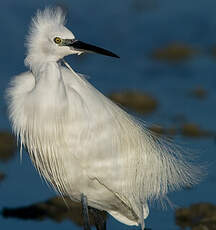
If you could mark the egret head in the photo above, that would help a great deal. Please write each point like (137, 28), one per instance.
(50, 40)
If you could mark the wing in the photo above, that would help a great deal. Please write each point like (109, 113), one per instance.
(123, 154)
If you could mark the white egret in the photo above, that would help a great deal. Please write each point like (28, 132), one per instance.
(82, 143)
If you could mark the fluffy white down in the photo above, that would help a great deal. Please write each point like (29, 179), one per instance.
(87, 144)
(81, 142)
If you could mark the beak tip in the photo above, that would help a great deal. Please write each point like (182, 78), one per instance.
(116, 56)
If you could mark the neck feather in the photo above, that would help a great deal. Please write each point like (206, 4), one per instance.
(36, 61)
(49, 83)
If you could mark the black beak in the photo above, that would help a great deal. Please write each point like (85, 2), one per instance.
(84, 47)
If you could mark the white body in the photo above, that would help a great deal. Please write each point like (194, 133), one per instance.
(81, 142)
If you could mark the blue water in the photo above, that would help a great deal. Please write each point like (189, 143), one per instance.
(133, 34)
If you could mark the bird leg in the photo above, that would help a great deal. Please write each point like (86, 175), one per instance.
(100, 221)
(85, 212)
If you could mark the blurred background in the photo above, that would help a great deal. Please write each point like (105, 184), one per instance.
(165, 77)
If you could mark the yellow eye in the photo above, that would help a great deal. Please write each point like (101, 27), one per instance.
(57, 40)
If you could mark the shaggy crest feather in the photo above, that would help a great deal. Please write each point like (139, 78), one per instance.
(82, 142)
(44, 23)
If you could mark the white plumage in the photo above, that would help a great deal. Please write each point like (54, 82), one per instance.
(80, 141)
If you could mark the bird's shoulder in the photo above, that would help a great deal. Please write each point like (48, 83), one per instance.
(22, 82)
